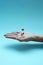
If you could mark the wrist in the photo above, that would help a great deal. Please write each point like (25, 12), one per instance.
(38, 38)
(35, 37)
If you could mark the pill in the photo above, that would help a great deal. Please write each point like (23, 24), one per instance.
(22, 29)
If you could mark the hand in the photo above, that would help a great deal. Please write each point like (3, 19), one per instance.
(20, 36)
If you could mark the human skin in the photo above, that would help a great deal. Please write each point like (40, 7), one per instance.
(25, 36)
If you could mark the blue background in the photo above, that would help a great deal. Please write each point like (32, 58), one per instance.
(14, 15)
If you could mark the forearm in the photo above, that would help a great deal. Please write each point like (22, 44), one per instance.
(38, 37)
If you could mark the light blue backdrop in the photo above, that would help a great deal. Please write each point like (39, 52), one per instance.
(14, 15)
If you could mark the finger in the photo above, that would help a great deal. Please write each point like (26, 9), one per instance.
(15, 33)
(11, 37)
(7, 34)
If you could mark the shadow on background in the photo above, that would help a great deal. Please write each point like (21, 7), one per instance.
(25, 47)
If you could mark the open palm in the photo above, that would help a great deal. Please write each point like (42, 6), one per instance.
(20, 36)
